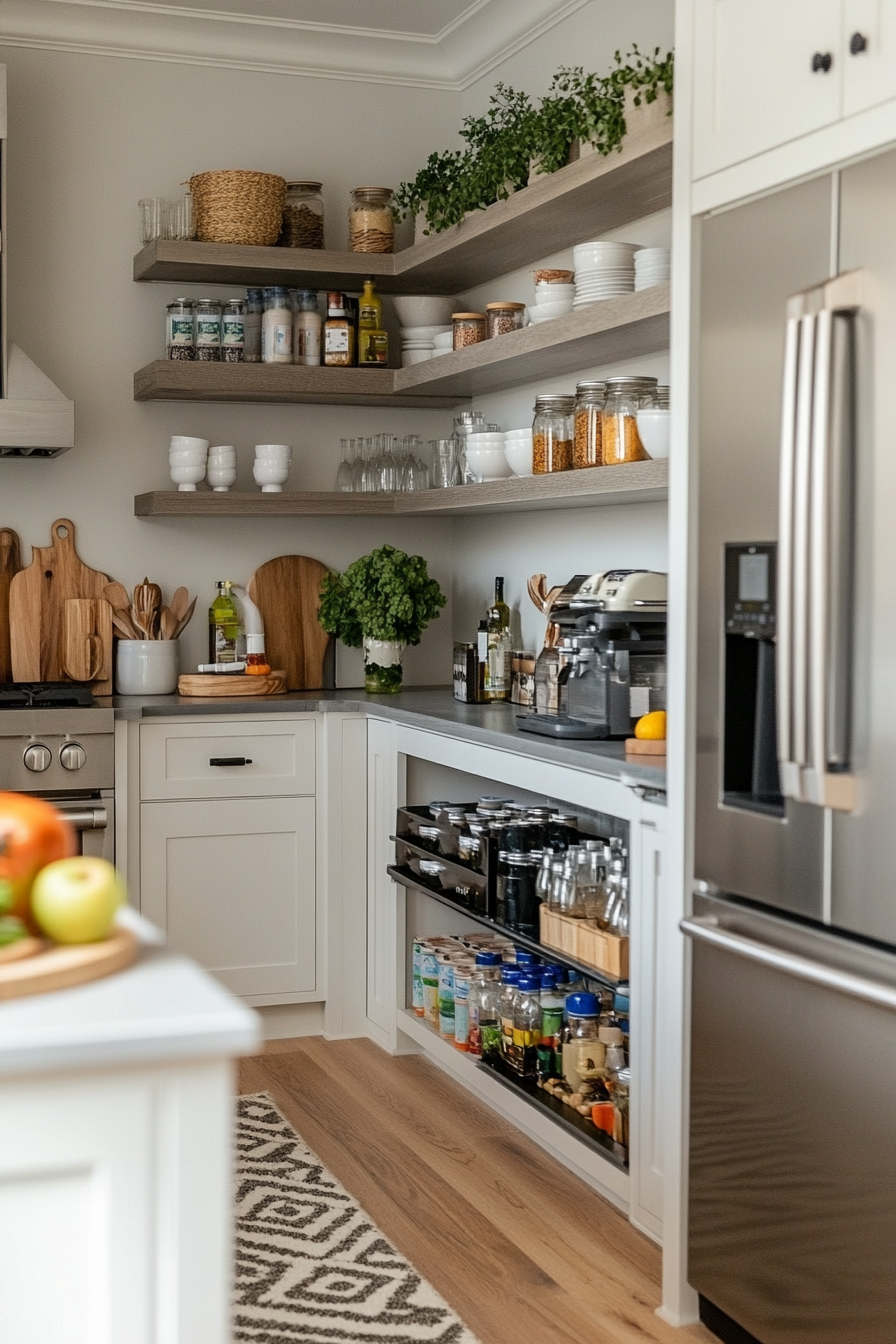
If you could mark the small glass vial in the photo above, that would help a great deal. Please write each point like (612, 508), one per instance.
(276, 327)
(208, 331)
(252, 326)
(233, 331)
(469, 329)
(586, 450)
(303, 216)
(504, 317)
(552, 431)
(620, 440)
(339, 333)
(371, 226)
(180, 337)
(306, 328)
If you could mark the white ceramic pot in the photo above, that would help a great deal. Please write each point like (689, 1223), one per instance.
(146, 666)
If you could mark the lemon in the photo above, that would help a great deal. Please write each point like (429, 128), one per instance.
(652, 727)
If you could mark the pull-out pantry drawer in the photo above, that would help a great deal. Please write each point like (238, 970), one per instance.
(227, 760)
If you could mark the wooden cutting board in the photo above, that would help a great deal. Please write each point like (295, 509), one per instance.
(37, 597)
(227, 683)
(10, 564)
(287, 593)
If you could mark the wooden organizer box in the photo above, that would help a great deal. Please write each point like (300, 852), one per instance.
(582, 939)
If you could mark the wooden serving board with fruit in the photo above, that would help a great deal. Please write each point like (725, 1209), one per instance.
(33, 966)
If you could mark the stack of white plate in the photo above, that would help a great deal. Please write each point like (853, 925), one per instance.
(418, 343)
(651, 267)
(603, 270)
(551, 300)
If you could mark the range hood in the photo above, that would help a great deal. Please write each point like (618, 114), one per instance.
(36, 419)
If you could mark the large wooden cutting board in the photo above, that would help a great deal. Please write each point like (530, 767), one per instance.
(287, 593)
(10, 564)
(37, 597)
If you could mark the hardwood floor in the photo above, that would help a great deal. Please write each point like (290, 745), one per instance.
(523, 1250)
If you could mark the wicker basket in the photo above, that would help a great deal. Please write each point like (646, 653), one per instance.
(238, 206)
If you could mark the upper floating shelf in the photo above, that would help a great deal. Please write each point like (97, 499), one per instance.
(580, 201)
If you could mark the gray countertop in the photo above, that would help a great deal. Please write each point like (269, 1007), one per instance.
(432, 708)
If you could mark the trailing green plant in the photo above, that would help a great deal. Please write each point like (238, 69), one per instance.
(502, 146)
(385, 595)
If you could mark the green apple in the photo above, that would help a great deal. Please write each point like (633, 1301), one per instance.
(75, 900)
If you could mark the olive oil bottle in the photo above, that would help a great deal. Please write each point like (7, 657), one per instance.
(373, 341)
(223, 625)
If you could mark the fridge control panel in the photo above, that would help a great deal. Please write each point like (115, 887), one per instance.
(750, 582)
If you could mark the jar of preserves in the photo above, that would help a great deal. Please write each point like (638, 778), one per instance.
(552, 431)
(620, 440)
(504, 317)
(590, 399)
(303, 216)
(233, 331)
(208, 330)
(469, 329)
(252, 326)
(180, 337)
(371, 226)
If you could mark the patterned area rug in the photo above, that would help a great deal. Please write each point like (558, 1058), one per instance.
(311, 1268)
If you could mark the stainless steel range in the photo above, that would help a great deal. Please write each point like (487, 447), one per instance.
(57, 743)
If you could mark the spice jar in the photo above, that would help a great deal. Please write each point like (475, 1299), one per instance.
(504, 317)
(590, 398)
(371, 227)
(180, 338)
(303, 216)
(252, 326)
(208, 331)
(552, 431)
(469, 329)
(620, 440)
(233, 331)
(276, 327)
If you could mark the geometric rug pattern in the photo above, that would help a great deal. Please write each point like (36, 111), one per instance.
(311, 1267)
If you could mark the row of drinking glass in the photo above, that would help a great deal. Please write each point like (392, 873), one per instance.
(383, 464)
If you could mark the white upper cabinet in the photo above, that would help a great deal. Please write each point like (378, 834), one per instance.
(765, 73)
(869, 61)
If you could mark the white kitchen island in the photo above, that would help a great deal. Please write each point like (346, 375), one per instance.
(116, 1106)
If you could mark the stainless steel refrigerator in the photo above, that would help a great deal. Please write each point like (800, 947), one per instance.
(792, 1235)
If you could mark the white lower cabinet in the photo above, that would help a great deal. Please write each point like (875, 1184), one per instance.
(647, 1136)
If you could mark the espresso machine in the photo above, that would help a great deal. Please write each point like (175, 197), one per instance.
(610, 664)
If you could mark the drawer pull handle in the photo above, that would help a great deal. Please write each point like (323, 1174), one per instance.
(858, 43)
(230, 760)
(822, 60)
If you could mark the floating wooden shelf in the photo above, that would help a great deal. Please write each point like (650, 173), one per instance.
(636, 483)
(581, 201)
(612, 330)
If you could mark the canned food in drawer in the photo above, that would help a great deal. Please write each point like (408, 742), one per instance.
(226, 760)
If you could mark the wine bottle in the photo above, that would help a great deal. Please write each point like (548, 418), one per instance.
(497, 673)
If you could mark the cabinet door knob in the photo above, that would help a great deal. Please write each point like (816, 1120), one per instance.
(230, 760)
(822, 60)
(858, 43)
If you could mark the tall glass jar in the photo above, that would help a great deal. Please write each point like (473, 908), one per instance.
(233, 331)
(583, 1050)
(620, 440)
(307, 326)
(180, 336)
(371, 226)
(552, 431)
(303, 216)
(252, 327)
(276, 326)
(208, 331)
(590, 399)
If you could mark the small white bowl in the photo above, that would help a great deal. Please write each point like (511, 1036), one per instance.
(558, 309)
(418, 310)
(518, 455)
(409, 357)
(180, 442)
(187, 476)
(182, 459)
(270, 475)
(222, 450)
(276, 452)
(511, 435)
(221, 475)
(653, 429)
(486, 439)
(489, 464)
(551, 293)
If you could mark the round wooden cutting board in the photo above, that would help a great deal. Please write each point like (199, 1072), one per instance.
(34, 967)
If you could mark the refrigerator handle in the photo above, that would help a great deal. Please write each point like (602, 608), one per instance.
(706, 930)
(819, 534)
(789, 774)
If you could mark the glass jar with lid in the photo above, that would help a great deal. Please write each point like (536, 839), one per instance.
(180, 336)
(552, 431)
(504, 317)
(233, 331)
(590, 399)
(252, 327)
(468, 329)
(208, 331)
(303, 216)
(371, 226)
(276, 326)
(520, 901)
(620, 440)
(584, 1053)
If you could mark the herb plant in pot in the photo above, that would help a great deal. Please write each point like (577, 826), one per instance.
(382, 602)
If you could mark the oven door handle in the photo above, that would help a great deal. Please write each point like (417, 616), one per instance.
(706, 930)
(84, 818)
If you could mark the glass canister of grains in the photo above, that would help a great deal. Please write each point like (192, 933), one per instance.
(620, 440)
(552, 431)
(180, 338)
(276, 327)
(208, 331)
(590, 399)
(252, 326)
(233, 331)
(371, 227)
(504, 317)
(303, 216)
(469, 329)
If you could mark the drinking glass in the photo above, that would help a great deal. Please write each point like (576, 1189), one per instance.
(344, 475)
(445, 468)
(386, 465)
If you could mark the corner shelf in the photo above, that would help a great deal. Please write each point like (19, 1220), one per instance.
(580, 201)
(634, 483)
(176, 380)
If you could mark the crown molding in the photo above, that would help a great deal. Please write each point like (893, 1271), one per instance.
(478, 40)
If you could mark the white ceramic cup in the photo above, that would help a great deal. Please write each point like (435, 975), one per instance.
(146, 666)
(270, 475)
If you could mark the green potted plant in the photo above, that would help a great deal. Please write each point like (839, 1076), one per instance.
(382, 602)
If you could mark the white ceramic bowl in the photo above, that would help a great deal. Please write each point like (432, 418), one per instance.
(546, 310)
(444, 341)
(518, 456)
(187, 476)
(599, 253)
(424, 310)
(644, 254)
(222, 450)
(181, 441)
(270, 475)
(511, 435)
(409, 357)
(653, 428)
(424, 333)
(276, 452)
(417, 345)
(552, 293)
(185, 458)
(489, 464)
(221, 475)
(486, 439)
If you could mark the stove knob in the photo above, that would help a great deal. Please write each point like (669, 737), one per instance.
(73, 756)
(38, 758)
